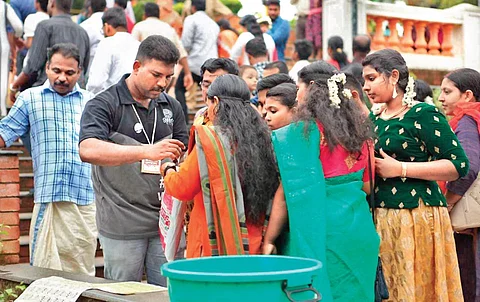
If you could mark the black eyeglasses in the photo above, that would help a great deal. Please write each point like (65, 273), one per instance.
(204, 84)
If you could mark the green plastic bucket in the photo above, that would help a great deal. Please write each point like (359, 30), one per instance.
(242, 278)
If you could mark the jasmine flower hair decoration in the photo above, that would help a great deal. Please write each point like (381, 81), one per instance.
(429, 100)
(333, 89)
(409, 96)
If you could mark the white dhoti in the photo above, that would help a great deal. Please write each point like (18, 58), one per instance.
(63, 236)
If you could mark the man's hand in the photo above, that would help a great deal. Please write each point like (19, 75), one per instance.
(188, 80)
(19, 43)
(13, 95)
(167, 148)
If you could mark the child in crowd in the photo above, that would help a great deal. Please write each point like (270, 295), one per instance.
(250, 76)
(280, 105)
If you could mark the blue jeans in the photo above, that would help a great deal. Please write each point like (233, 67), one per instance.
(126, 260)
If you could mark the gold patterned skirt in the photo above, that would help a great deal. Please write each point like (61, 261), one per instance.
(418, 254)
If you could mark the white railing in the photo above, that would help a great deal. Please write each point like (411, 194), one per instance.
(428, 38)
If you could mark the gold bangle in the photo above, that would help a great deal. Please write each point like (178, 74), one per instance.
(404, 170)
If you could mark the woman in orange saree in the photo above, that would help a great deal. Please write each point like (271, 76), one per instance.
(230, 173)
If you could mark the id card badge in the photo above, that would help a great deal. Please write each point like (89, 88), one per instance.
(151, 166)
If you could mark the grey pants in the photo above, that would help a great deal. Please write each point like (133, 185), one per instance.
(300, 29)
(126, 260)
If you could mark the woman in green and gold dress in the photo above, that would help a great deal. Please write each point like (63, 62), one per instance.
(415, 148)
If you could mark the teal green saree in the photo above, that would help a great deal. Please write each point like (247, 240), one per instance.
(329, 219)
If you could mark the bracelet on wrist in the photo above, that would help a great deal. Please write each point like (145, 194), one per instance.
(174, 167)
(13, 89)
(404, 170)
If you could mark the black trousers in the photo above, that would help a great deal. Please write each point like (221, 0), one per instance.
(180, 92)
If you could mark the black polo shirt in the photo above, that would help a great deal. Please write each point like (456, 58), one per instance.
(111, 111)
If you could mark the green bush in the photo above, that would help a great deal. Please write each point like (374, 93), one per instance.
(139, 9)
(178, 7)
(439, 3)
(233, 5)
(293, 23)
(78, 4)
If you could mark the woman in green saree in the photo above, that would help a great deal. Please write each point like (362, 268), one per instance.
(323, 163)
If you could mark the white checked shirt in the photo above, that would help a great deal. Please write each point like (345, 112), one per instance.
(94, 28)
(154, 26)
(115, 57)
(199, 37)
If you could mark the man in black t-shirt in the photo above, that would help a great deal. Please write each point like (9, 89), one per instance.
(125, 132)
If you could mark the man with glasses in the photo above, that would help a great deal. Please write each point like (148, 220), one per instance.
(209, 71)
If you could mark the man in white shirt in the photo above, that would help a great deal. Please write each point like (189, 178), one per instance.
(94, 25)
(115, 54)
(199, 37)
(31, 23)
(303, 50)
(152, 25)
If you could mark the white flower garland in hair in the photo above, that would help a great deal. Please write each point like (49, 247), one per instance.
(409, 96)
(429, 100)
(347, 93)
(333, 89)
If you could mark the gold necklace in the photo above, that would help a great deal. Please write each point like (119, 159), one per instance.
(395, 114)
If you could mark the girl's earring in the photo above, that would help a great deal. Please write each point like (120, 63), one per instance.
(394, 94)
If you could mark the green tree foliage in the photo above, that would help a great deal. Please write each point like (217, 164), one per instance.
(450, 3)
(432, 3)
(77, 4)
(178, 7)
(233, 5)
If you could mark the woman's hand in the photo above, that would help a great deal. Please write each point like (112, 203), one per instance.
(387, 167)
(269, 249)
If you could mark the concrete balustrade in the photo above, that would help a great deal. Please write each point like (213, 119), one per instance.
(428, 38)
(405, 43)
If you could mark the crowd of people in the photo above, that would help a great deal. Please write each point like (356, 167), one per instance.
(279, 161)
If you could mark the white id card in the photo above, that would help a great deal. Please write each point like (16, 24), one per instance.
(151, 166)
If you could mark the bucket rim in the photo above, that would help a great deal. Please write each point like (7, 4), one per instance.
(239, 277)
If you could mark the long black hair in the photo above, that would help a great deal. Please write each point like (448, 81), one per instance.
(345, 126)
(285, 93)
(422, 90)
(251, 24)
(224, 24)
(250, 140)
(335, 43)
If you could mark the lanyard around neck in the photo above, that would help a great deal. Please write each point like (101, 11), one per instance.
(143, 128)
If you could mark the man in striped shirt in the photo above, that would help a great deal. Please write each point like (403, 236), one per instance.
(63, 231)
